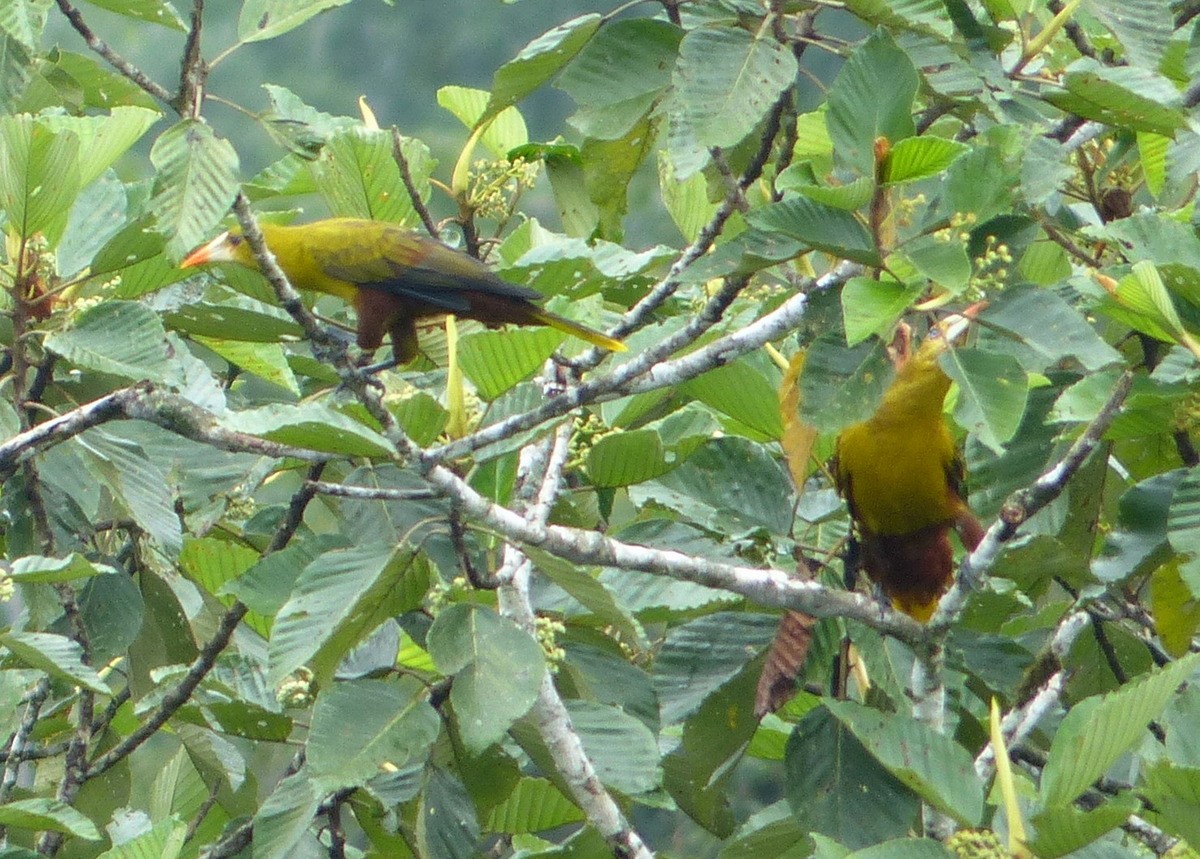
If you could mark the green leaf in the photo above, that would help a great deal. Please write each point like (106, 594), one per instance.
(903, 848)
(534, 805)
(1063, 830)
(920, 157)
(840, 384)
(1097, 731)
(57, 655)
(286, 815)
(742, 391)
(495, 361)
(539, 61)
(195, 184)
(622, 748)
(1153, 149)
(104, 139)
(626, 458)
(120, 338)
(158, 12)
(497, 667)
(361, 726)
(1044, 332)
(339, 599)
(933, 765)
(992, 390)
(738, 481)
(702, 655)
(39, 175)
(686, 200)
(266, 19)
(266, 360)
(35, 568)
(1141, 28)
(24, 20)
(585, 587)
(850, 197)
(43, 814)
(164, 840)
(420, 415)
(1175, 792)
(1133, 98)
(447, 826)
(728, 79)
(871, 97)
(232, 316)
(357, 175)
(624, 60)
(873, 306)
(1139, 542)
(310, 425)
(835, 231)
(1175, 608)
(1183, 519)
(504, 133)
(837, 788)
(138, 481)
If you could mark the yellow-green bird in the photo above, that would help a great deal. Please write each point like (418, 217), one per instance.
(393, 277)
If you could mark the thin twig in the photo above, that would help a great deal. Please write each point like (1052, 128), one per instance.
(414, 195)
(114, 59)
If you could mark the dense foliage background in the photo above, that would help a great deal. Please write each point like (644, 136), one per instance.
(515, 599)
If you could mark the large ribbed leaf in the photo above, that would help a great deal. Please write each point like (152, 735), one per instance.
(47, 814)
(196, 183)
(119, 338)
(744, 392)
(340, 598)
(497, 668)
(155, 11)
(933, 765)
(825, 228)
(23, 20)
(310, 425)
(1143, 27)
(496, 361)
(992, 390)
(701, 656)
(361, 726)
(285, 816)
(836, 787)
(104, 139)
(1063, 830)
(504, 133)
(1097, 731)
(728, 79)
(266, 19)
(57, 655)
(39, 175)
(623, 750)
(533, 806)
(1132, 98)
(357, 175)
(539, 61)
(871, 97)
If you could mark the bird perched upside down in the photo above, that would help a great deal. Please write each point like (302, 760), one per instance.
(902, 479)
(393, 277)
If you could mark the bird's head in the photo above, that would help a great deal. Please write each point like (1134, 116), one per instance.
(946, 333)
(230, 246)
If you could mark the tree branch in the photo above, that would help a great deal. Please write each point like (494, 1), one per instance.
(536, 497)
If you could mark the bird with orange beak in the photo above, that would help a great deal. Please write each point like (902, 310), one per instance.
(393, 277)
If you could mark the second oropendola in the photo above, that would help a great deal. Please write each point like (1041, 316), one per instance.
(393, 277)
(902, 478)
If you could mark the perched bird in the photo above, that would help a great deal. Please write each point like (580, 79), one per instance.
(902, 479)
(393, 277)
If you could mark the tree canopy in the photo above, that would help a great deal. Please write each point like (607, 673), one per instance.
(518, 596)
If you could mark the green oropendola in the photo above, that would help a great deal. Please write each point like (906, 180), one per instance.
(393, 277)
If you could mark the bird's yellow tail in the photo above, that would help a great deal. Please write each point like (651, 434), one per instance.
(581, 331)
